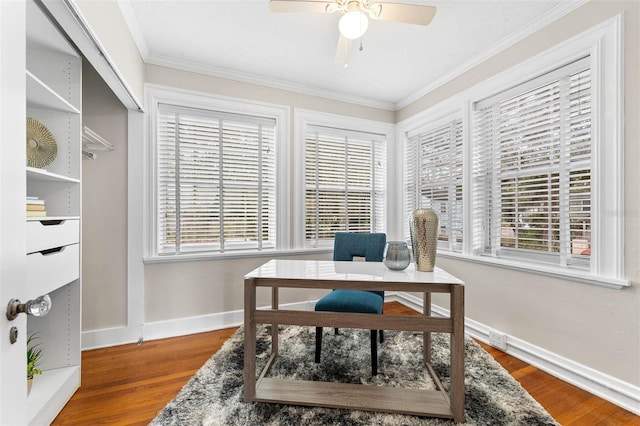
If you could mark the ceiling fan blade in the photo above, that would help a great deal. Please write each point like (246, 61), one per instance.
(342, 51)
(406, 13)
(295, 6)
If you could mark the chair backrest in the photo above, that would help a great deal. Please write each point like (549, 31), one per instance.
(349, 244)
(346, 245)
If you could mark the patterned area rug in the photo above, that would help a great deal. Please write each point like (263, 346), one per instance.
(214, 396)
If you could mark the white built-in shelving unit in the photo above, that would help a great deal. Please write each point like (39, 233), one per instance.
(54, 84)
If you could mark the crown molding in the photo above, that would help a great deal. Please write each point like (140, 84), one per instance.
(542, 21)
(259, 80)
(229, 74)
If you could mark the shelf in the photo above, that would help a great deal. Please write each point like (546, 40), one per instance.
(40, 95)
(53, 78)
(34, 173)
(42, 35)
(46, 218)
(50, 392)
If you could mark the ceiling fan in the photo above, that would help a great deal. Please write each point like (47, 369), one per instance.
(355, 16)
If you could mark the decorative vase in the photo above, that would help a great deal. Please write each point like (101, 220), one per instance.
(423, 226)
(396, 255)
(29, 384)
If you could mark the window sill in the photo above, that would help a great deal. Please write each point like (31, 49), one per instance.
(573, 275)
(197, 257)
(550, 271)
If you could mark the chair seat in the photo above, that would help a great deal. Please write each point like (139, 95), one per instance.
(359, 301)
(346, 245)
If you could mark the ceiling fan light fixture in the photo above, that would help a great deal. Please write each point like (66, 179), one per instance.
(353, 24)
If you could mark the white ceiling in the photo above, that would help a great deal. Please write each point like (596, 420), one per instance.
(245, 41)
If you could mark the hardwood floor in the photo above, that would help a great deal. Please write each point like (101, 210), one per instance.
(129, 384)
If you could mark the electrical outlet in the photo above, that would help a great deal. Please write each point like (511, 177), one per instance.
(498, 340)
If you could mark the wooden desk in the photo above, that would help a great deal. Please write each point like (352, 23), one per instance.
(361, 276)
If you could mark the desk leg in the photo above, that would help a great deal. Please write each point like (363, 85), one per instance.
(249, 339)
(426, 336)
(457, 353)
(274, 327)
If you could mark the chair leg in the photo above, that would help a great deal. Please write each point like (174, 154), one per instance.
(318, 343)
(381, 335)
(374, 352)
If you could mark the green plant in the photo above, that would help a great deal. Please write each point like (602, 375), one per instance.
(34, 355)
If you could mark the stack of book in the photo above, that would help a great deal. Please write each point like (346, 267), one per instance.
(36, 207)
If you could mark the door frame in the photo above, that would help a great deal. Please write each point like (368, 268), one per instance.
(13, 383)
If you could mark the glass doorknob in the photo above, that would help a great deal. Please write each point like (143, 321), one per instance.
(38, 307)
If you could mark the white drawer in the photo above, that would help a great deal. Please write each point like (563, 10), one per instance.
(46, 234)
(47, 272)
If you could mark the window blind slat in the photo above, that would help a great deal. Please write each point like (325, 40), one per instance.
(433, 179)
(531, 168)
(344, 183)
(216, 181)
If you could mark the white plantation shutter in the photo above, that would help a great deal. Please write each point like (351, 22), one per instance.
(433, 178)
(216, 181)
(344, 183)
(532, 169)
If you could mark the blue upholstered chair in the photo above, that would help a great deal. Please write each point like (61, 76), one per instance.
(347, 245)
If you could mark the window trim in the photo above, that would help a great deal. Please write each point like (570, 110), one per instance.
(444, 120)
(157, 94)
(603, 44)
(303, 118)
(500, 173)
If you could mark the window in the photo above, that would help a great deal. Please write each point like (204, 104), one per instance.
(541, 178)
(215, 181)
(344, 183)
(532, 169)
(433, 179)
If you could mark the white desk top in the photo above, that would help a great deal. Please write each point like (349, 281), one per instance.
(348, 271)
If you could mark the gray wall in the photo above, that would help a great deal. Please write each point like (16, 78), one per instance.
(594, 326)
(203, 83)
(216, 285)
(104, 209)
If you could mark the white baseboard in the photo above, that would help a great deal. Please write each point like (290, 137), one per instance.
(107, 337)
(115, 336)
(203, 323)
(192, 325)
(606, 387)
(614, 390)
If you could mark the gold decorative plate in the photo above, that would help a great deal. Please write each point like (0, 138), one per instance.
(42, 148)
